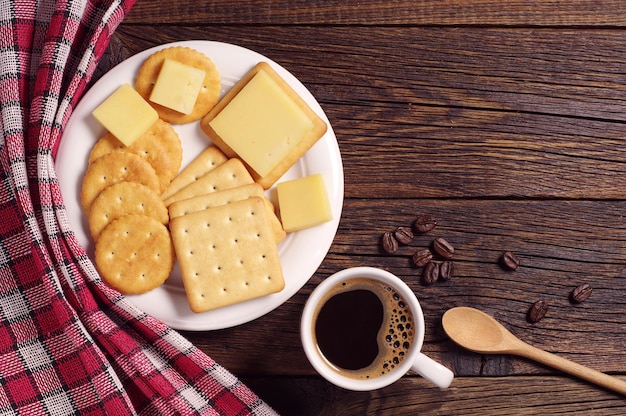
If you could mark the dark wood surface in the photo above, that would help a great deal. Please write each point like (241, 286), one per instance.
(506, 121)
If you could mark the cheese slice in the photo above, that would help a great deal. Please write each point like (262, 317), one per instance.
(126, 115)
(262, 124)
(303, 202)
(177, 86)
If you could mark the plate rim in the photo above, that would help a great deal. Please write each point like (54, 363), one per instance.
(336, 185)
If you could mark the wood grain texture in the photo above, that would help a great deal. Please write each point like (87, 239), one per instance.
(489, 396)
(505, 120)
(383, 12)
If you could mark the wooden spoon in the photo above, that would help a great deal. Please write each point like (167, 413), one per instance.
(479, 332)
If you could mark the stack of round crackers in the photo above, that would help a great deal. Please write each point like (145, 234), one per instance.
(122, 188)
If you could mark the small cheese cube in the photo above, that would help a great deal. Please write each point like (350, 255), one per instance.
(262, 124)
(177, 86)
(303, 202)
(126, 114)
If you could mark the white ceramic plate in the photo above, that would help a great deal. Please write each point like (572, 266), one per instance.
(301, 253)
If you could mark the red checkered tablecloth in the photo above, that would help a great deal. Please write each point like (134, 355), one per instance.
(68, 343)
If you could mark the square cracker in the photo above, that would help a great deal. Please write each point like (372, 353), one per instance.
(227, 254)
(209, 159)
(316, 133)
(202, 202)
(228, 175)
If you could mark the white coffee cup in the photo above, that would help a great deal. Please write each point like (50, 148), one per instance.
(412, 358)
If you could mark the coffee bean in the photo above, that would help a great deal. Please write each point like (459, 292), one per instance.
(404, 235)
(424, 223)
(446, 270)
(422, 257)
(581, 293)
(430, 274)
(509, 260)
(390, 244)
(443, 248)
(537, 311)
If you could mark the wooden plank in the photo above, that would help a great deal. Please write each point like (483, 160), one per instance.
(467, 396)
(379, 12)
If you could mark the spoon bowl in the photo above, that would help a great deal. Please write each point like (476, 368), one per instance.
(476, 331)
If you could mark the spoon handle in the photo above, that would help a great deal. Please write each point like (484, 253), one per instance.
(575, 369)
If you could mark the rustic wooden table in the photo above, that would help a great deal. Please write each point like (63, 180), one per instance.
(506, 121)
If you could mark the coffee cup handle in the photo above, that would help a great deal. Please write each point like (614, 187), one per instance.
(432, 371)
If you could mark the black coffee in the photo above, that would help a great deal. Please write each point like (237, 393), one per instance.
(347, 327)
(363, 328)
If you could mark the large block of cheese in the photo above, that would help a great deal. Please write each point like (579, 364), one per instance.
(303, 202)
(126, 115)
(264, 122)
(177, 86)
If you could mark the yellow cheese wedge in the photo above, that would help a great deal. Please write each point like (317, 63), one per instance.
(262, 124)
(177, 86)
(303, 202)
(126, 114)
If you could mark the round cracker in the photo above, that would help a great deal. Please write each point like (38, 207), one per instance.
(125, 198)
(135, 254)
(209, 93)
(114, 168)
(160, 146)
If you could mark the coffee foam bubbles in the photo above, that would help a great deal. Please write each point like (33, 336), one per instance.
(395, 336)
